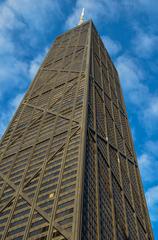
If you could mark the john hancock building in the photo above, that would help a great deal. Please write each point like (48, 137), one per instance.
(68, 170)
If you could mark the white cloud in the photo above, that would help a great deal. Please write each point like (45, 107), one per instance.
(105, 10)
(150, 114)
(6, 45)
(152, 202)
(144, 44)
(13, 73)
(147, 165)
(137, 92)
(113, 47)
(35, 63)
(152, 147)
(150, 6)
(6, 115)
(153, 107)
(145, 7)
(30, 19)
(4, 120)
(16, 101)
(30, 14)
(8, 18)
(101, 9)
(132, 76)
(152, 196)
(24, 26)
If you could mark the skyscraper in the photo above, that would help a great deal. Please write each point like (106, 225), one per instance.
(68, 169)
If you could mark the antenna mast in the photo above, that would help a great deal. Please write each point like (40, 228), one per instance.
(81, 17)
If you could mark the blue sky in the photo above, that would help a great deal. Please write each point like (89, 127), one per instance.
(130, 33)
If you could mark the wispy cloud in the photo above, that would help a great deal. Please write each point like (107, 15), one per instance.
(150, 6)
(13, 74)
(150, 115)
(152, 201)
(113, 47)
(16, 101)
(145, 43)
(137, 92)
(148, 163)
(24, 26)
(6, 115)
(102, 9)
(131, 76)
(6, 45)
(25, 14)
(36, 62)
(152, 147)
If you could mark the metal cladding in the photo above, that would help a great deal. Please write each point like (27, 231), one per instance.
(68, 170)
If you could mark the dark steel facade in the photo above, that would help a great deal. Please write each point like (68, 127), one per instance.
(67, 164)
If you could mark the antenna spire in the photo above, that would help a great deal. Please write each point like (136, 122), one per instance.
(81, 17)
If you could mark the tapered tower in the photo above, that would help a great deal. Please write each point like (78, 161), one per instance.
(68, 169)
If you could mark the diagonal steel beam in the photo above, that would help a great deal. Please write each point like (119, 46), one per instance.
(29, 201)
(47, 80)
(51, 112)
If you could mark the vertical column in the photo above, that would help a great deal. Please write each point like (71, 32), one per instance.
(106, 215)
(96, 168)
(78, 221)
